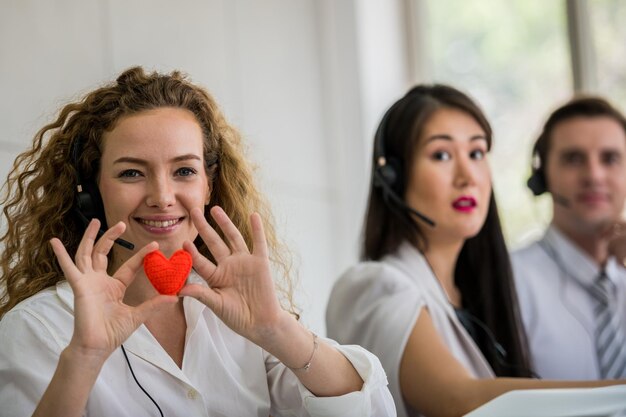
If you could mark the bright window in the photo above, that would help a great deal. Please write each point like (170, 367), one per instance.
(609, 40)
(512, 57)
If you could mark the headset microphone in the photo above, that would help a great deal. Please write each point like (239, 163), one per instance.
(389, 193)
(123, 243)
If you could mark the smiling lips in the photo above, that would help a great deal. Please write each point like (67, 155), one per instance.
(159, 226)
(592, 198)
(464, 204)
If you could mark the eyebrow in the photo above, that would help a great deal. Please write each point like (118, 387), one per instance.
(448, 137)
(577, 150)
(139, 161)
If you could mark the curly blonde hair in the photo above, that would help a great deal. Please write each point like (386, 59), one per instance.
(40, 191)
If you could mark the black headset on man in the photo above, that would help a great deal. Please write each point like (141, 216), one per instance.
(537, 182)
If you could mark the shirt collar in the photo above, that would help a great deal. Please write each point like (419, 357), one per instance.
(193, 308)
(574, 261)
(415, 265)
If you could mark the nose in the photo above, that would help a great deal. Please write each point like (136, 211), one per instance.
(464, 174)
(160, 193)
(595, 171)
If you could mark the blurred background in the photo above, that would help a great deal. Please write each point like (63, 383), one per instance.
(307, 81)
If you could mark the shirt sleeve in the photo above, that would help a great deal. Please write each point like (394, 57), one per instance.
(28, 357)
(291, 398)
(376, 305)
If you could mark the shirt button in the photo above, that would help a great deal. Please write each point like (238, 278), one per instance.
(192, 394)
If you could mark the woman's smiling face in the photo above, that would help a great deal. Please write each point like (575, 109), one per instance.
(152, 174)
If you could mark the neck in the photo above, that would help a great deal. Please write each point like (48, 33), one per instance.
(592, 242)
(442, 257)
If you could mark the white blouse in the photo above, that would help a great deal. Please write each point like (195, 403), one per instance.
(223, 374)
(376, 305)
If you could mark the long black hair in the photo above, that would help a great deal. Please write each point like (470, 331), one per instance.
(483, 271)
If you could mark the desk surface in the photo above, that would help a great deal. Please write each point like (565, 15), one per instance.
(574, 402)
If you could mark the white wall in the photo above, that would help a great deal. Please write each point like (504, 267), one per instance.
(304, 80)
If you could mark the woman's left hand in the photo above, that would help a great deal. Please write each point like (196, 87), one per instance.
(241, 293)
(241, 290)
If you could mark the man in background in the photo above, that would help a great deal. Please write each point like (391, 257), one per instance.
(572, 282)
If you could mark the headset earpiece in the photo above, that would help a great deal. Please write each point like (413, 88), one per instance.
(537, 182)
(88, 200)
(387, 172)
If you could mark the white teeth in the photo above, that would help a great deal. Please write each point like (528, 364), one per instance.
(157, 223)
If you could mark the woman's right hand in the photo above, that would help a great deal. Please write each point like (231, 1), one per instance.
(102, 322)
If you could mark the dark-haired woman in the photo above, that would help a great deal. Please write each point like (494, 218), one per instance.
(434, 297)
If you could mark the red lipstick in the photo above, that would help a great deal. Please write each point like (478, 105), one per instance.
(464, 204)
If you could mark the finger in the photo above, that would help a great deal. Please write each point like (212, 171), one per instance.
(258, 236)
(72, 274)
(127, 272)
(207, 296)
(85, 247)
(214, 242)
(144, 310)
(202, 265)
(103, 246)
(236, 241)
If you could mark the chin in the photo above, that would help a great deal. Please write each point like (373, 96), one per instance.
(472, 234)
(594, 216)
(464, 232)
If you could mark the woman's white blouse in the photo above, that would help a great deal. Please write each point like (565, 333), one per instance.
(223, 374)
(376, 305)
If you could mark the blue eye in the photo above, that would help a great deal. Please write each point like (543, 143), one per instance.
(185, 172)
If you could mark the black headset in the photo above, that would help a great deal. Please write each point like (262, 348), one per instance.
(88, 201)
(387, 171)
(537, 180)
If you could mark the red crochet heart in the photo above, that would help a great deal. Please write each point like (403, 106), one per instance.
(167, 275)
